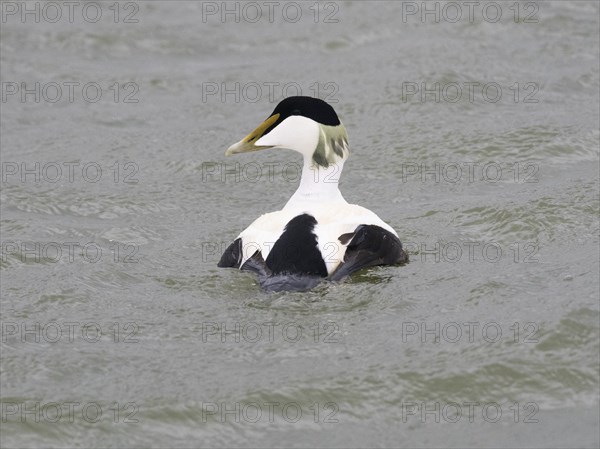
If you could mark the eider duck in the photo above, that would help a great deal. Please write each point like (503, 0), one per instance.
(317, 235)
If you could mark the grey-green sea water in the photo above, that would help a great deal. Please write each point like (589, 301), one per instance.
(474, 132)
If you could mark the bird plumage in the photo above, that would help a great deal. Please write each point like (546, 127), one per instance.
(317, 234)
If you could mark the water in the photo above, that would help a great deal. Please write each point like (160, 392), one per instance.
(111, 298)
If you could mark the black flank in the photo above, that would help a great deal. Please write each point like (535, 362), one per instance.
(232, 256)
(371, 245)
(296, 251)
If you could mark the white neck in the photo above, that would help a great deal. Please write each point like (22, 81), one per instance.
(318, 184)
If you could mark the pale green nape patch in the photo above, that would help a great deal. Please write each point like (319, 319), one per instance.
(332, 145)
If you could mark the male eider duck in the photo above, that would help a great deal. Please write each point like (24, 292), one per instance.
(317, 235)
